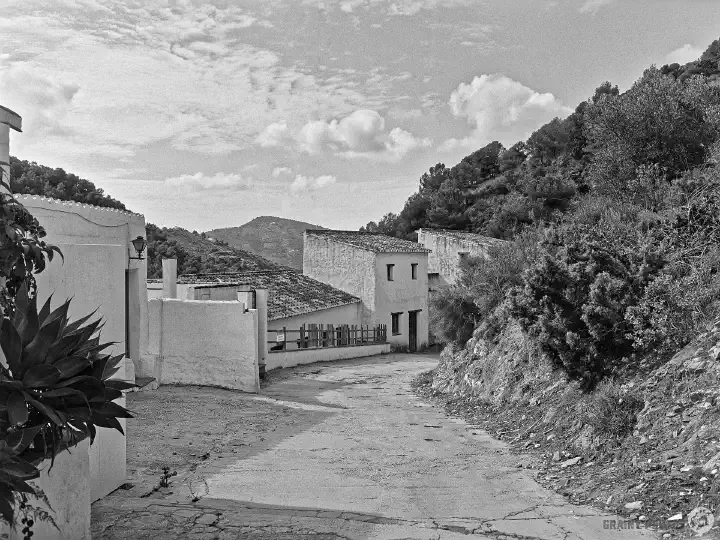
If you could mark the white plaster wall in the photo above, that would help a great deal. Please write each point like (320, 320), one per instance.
(221, 293)
(445, 254)
(344, 267)
(96, 245)
(284, 359)
(154, 290)
(403, 294)
(205, 342)
(67, 487)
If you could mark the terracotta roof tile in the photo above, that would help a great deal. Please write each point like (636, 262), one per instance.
(378, 243)
(290, 292)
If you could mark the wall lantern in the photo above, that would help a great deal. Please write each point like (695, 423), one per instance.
(139, 245)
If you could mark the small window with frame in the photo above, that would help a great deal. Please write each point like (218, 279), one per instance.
(413, 270)
(395, 323)
(390, 269)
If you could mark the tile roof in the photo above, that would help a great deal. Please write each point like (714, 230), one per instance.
(290, 292)
(465, 236)
(378, 243)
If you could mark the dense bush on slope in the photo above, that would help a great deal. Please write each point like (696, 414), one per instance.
(627, 191)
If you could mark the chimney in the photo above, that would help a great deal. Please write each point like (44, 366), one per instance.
(169, 275)
(8, 119)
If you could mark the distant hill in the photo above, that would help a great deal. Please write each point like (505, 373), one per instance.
(196, 253)
(277, 239)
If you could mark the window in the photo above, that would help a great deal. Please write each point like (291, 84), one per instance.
(390, 271)
(413, 270)
(395, 323)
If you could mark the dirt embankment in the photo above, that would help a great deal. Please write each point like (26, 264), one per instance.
(647, 449)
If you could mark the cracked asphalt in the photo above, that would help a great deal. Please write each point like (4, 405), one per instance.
(340, 450)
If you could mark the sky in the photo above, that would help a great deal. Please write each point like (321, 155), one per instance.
(207, 114)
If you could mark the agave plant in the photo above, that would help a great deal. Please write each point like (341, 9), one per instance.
(55, 389)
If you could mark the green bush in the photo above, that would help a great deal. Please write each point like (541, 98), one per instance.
(573, 299)
(453, 315)
(456, 310)
(611, 412)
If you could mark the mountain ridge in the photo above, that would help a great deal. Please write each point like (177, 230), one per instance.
(280, 240)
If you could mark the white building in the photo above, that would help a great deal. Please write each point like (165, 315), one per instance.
(101, 271)
(388, 274)
(447, 248)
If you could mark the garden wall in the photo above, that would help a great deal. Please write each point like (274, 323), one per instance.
(208, 343)
(284, 359)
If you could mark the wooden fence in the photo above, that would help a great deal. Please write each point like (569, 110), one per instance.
(319, 336)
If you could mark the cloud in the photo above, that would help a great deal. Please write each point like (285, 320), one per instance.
(273, 135)
(499, 108)
(592, 6)
(120, 107)
(309, 183)
(277, 171)
(219, 181)
(360, 134)
(683, 55)
(42, 100)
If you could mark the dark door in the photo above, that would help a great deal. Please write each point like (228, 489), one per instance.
(412, 333)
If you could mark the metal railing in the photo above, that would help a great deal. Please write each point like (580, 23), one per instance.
(320, 336)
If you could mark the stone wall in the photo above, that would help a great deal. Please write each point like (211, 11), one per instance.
(207, 343)
(344, 267)
(444, 258)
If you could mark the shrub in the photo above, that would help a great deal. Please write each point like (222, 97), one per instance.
(611, 412)
(455, 311)
(573, 299)
(453, 315)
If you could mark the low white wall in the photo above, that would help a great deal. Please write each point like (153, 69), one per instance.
(67, 487)
(204, 342)
(284, 359)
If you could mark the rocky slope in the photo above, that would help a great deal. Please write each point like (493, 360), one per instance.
(647, 448)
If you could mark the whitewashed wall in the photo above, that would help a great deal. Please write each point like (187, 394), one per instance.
(96, 245)
(67, 486)
(205, 342)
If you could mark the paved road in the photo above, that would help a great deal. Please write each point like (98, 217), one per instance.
(366, 459)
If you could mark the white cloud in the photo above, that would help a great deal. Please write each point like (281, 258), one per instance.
(181, 76)
(277, 171)
(592, 6)
(309, 183)
(273, 135)
(499, 108)
(360, 134)
(683, 55)
(199, 181)
(41, 99)
(391, 7)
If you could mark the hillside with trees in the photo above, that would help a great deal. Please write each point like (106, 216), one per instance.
(32, 179)
(277, 239)
(604, 306)
(195, 252)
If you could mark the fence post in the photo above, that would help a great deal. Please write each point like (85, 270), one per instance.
(284, 347)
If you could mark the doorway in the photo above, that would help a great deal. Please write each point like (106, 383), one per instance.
(412, 331)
